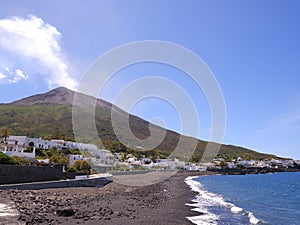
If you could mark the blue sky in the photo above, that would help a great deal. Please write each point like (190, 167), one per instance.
(252, 47)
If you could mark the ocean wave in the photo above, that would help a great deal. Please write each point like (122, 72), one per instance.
(205, 199)
(236, 209)
(253, 219)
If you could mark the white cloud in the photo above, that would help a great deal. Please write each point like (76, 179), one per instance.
(37, 43)
(13, 76)
(18, 75)
(2, 76)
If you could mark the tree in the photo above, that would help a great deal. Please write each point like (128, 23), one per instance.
(82, 165)
(85, 166)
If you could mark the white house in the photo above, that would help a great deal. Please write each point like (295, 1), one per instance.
(34, 142)
(105, 156)
(169, 163)
(17, 145)
(16, 150)
(134, 161)
(244, 163)
(81, 146)
(74, 158)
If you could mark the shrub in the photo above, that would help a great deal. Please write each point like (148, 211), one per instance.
(41, 153)
(61, 159)
(82, 165)
(22, 161)
(72, 169)
(5, 159)
(75, 151)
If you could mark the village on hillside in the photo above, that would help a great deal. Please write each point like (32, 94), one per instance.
(37, 151)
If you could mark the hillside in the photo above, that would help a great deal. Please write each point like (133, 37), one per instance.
(49, 115)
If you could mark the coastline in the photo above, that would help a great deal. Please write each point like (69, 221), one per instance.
(161, 203)
(243, 199)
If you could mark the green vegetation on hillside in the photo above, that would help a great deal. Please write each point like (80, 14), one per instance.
(46, 121)
(54, 121)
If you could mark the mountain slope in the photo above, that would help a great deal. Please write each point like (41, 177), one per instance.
(49, 115)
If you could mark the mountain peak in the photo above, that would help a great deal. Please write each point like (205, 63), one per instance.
(59, 95)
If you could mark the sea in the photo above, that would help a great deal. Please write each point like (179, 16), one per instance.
(246, 199)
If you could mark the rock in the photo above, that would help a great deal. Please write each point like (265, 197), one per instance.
(67, 212)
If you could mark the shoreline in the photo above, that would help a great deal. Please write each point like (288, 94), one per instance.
(167, 202)
(215, 200)
(162, 203)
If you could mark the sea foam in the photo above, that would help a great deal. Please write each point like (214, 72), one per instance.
(253, 219)
(205, 199)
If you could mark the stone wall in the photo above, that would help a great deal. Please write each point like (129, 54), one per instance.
(88, 182)
(24, 174)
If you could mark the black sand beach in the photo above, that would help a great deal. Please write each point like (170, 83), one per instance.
(162, 203)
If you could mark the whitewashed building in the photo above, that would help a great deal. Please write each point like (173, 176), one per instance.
(16, 150)
(34, 142)
(15, 145)
(73, 158)
(170, 164)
